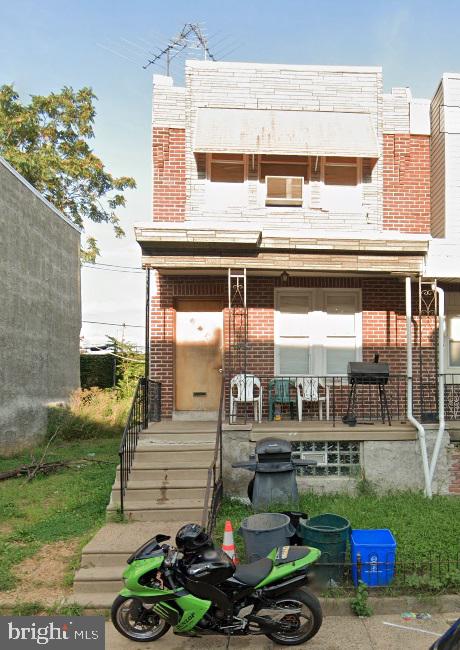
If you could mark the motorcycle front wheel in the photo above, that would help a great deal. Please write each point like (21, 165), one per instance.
(132, 620)
(302, 626)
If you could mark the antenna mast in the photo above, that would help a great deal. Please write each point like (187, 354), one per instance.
(190, 36)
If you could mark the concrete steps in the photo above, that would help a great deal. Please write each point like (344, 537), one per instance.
(179, 510)
(166, 488)
(99, 579)
(161, 491)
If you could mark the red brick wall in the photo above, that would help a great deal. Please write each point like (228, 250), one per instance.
(454, 469)
(406, 183)
(168, 174)
(384, 324)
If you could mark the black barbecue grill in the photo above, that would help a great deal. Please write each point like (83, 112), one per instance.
(367, 374)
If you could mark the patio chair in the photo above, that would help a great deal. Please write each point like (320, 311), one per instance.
(245, 389)
(279, 392)
(308, 390)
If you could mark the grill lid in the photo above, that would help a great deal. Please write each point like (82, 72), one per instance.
(359, 369)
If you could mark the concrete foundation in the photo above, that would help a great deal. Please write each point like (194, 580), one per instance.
(387, 464)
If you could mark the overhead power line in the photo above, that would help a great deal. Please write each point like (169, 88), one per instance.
(97, 322)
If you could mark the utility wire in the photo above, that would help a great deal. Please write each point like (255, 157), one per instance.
(97, 322)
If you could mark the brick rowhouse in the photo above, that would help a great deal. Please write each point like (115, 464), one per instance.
(168, 149)
(406, 183)
(383, 321)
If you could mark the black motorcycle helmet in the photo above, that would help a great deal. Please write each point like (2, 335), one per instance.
(192, 537)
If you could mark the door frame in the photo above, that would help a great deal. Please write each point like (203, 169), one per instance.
(176, 300)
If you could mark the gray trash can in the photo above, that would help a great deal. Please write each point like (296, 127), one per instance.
(263, 532)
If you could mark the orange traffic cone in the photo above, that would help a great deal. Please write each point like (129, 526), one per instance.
(229, 544)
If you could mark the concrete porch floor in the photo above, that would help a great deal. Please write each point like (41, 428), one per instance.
(290, 429)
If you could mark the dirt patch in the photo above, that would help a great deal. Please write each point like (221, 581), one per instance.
(43, 574)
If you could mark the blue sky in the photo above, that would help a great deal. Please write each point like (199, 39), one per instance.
(48, 43)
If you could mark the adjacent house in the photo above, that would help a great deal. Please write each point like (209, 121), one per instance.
(40, 310)
(304, 220)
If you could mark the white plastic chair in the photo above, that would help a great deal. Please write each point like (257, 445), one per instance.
(251, 393)
(308, 391)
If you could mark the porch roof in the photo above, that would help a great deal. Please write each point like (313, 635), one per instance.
(187, 237)
(289, 132)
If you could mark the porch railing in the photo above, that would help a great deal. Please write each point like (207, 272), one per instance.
(426, 397)
(326, 398)
(214, 485)
(138, 419)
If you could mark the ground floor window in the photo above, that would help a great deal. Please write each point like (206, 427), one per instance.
(317, 331)
(332, 458)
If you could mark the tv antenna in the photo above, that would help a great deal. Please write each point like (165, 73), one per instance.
(191, 36)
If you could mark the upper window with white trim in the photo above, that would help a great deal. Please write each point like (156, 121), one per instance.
(342, 184)
(226, 175)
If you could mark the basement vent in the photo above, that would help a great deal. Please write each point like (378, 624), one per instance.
(333, 458)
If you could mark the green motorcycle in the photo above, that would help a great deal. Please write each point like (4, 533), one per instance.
(196, 589)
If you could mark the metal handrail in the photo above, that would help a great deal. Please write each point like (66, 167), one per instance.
(136, 421)
(214, 481)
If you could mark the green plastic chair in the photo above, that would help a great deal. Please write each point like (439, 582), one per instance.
(280, 392)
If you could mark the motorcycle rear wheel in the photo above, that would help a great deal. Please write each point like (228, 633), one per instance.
(125, 618)
(308, 621)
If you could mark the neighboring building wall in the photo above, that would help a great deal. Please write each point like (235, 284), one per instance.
(40, 324)
(168, 150)
(445, 116)
(438, 166)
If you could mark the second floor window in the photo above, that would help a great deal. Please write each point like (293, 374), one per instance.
(284, 178)
(342, 189)
(227, 168)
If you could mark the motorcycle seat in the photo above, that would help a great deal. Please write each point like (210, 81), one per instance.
(252, 574)
(286, 554)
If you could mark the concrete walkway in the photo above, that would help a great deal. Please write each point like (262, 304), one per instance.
(337, 633)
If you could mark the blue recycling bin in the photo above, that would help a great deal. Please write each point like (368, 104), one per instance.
(373, 556)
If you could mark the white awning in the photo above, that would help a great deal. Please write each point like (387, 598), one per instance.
(316, 133)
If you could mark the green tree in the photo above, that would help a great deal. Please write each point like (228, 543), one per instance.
(46, 140)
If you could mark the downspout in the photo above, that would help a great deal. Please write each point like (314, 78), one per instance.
(441, 368)
(410, 415)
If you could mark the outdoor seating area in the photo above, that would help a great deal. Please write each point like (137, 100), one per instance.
(253, 397)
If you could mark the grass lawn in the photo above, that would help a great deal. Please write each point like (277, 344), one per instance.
(67, 506)
(421, 526)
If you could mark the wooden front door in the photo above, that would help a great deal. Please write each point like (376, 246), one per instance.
(198, 354)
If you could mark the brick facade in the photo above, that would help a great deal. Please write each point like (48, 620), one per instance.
(168, 146)
(384, 324)
(406, 183)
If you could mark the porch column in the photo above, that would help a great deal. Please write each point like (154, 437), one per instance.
(410, 416)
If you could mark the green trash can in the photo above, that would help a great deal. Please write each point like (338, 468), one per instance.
(329, 533)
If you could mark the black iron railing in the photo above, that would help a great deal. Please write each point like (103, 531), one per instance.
(138, 419)
(436, 572)
(327, 398)
(214, 486)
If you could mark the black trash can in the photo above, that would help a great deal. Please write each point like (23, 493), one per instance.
(275, 479)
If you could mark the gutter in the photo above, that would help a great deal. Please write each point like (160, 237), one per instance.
(410, 415)
(441, 364)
